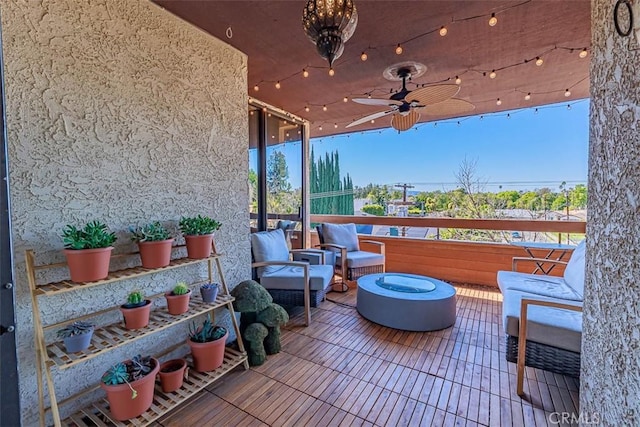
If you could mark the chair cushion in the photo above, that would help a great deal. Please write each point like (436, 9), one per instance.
(341, 234)
(545, 325)
(357, 259)
(574, 272)
(548, 286)
(291, 278)
(269, 246)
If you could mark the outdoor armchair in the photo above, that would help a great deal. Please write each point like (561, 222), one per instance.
(351, 263)
(290, 283)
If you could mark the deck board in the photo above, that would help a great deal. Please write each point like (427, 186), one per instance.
(345, 370)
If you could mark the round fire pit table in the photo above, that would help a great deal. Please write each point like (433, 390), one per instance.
(407, 301)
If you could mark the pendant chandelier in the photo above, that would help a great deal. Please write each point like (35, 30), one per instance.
(329, 24)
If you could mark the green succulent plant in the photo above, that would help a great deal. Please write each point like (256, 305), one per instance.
(135, 297)
(153, 232)
(76, 328)
(117, 374)
(207, 332)
(129, 371)
(181, 289)
(199, 225)
(94, 235)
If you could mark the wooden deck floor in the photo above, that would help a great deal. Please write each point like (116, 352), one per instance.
(345, 370)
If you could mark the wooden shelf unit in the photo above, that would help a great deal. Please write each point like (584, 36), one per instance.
(54, 356)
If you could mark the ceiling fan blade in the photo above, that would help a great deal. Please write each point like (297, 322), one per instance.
(371, 117)
(376, 101)
(432, 94)
(450, 107)
(402, 123)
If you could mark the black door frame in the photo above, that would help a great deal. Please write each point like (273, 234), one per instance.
(9, 388)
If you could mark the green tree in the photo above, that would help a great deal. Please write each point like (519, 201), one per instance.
(373, 210)
(330, 193)
(277, 173)
(578, 196)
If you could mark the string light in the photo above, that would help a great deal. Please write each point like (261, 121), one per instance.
(508, 115)
(443, 31)
(256, 88)
(331, 72)
(305, 73)
(335, 125)
(345, 99)
(493, 21)
(458, 80)
(539, 61)
(369, 95)
(493, 74)
(320, 127)
(527, 97)
(277, 85)
(306, 108)
(498, 102)
(583, 53)
(536, 111)
(567, 93)
(568, 106)
(372, 121)
(363, 56)
(399, 50)
(324, 108)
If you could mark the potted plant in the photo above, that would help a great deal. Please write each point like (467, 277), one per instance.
(178, 299)
(76, 336)
(198, 235)
(209, 292)
(136, 311)
(207, 345)
(129, 386)
(154, 243)
(172, 374)
(88, 251)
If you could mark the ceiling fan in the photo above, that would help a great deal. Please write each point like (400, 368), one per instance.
(405, 106)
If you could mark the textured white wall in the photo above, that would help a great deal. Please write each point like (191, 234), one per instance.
(118, 111)
(610, 381)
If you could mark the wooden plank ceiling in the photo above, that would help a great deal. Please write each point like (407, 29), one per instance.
(270, 33)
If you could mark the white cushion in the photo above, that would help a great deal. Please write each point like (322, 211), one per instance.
(574, 272)
(341, 234)
(548, 286)
(357, 259)
(269, 246)
(292, 278)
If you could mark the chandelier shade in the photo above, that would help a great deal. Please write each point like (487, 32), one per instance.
(329, 24)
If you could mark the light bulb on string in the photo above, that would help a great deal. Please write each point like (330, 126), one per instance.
(335, 125)
(583, 53)
(508, 115)
(369, 95)
(458, 80)
(319, 127)
(345, 99)
(306, 108)
(443, 31)
(399, 50)
(324, 108)
(256, 88)
(536, 111)
(277, 85)
(492, 74)
(498, 102)
(305, 73)
(363, 56)
(269, 115)
(527, 97)
(331, 72)
(373, 121)
(567, 93)
(493, 20)
(568, 106)
(539, 61)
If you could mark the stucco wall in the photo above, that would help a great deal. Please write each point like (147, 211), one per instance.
(610, 381)
(118, 111)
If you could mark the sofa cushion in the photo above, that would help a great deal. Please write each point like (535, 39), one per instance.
(357, 259)
(574, 272)
(341, 234)
(546, 325)
(291, 278)
(548, 286)
(269, 246)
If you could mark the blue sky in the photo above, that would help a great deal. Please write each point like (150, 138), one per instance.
(528, 150)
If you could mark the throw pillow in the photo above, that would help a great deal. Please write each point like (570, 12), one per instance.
(341, 234)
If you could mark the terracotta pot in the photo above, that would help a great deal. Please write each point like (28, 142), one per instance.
(136, 317)
(155, 254)
(88, 265)
(172, 374)
(208, 356)
(121, 405)
(177, 304)
(199, 246)
(76, 343)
